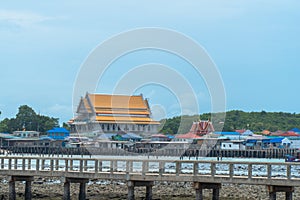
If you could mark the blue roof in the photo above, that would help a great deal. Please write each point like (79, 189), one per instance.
(227, 133)
(276, 140)
(266, 140)
(297, 130)
(171, 136)
(58, 130)
(131, 136)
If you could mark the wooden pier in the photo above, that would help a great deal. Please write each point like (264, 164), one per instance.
(192, 151)
(144, 172)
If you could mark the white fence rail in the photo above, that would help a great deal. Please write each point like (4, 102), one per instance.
(151, 169)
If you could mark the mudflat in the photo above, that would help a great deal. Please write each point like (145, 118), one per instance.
(48, 188)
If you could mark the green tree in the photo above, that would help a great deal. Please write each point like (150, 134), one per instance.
(27, 119)
(236, 119)
(66, 126)
(3, 126)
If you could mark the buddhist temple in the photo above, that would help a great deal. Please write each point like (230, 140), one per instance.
(107, 113)
(202, 127)
(198, 129)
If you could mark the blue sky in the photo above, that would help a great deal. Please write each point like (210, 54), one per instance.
(254, 44)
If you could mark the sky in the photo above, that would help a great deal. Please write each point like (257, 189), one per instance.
(254, 44)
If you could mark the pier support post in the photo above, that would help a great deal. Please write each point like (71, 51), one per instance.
(66, 190)
(82, 191)
(288, 195)
(273, 189)
(148, 192)
(12, 186)
(200, 186)
(132, 184)
(216, 193)
(12, 190)
(82, 188)
(272, 195)
(28, 194)
(130, 195)
(199, 191)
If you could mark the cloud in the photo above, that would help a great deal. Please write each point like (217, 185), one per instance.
(22, 19)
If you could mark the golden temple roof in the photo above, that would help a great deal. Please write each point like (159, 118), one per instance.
(117, 108)
(118, 101)
(126, 119)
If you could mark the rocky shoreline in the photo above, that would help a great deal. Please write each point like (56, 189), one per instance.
(48, 188)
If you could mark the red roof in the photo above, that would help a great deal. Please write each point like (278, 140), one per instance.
(188, 135)
(240, 131)
(289, 133)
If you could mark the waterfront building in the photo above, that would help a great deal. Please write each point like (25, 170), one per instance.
(58, 133)
(230, 135)
(233, 145)
(105, 113)
(26, 134)
(188, 137)
(160, 137)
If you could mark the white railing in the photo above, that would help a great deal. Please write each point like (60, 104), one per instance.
(229, 171)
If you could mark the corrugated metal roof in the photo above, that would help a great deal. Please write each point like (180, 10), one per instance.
(58, 130)
(227, 133)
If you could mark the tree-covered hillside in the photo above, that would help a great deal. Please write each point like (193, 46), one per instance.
(27, 119)
(255, 121)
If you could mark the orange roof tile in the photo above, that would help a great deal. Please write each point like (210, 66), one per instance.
(117, 101)
(122, 111)
(126, 119)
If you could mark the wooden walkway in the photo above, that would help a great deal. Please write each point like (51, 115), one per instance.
(279, 177)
